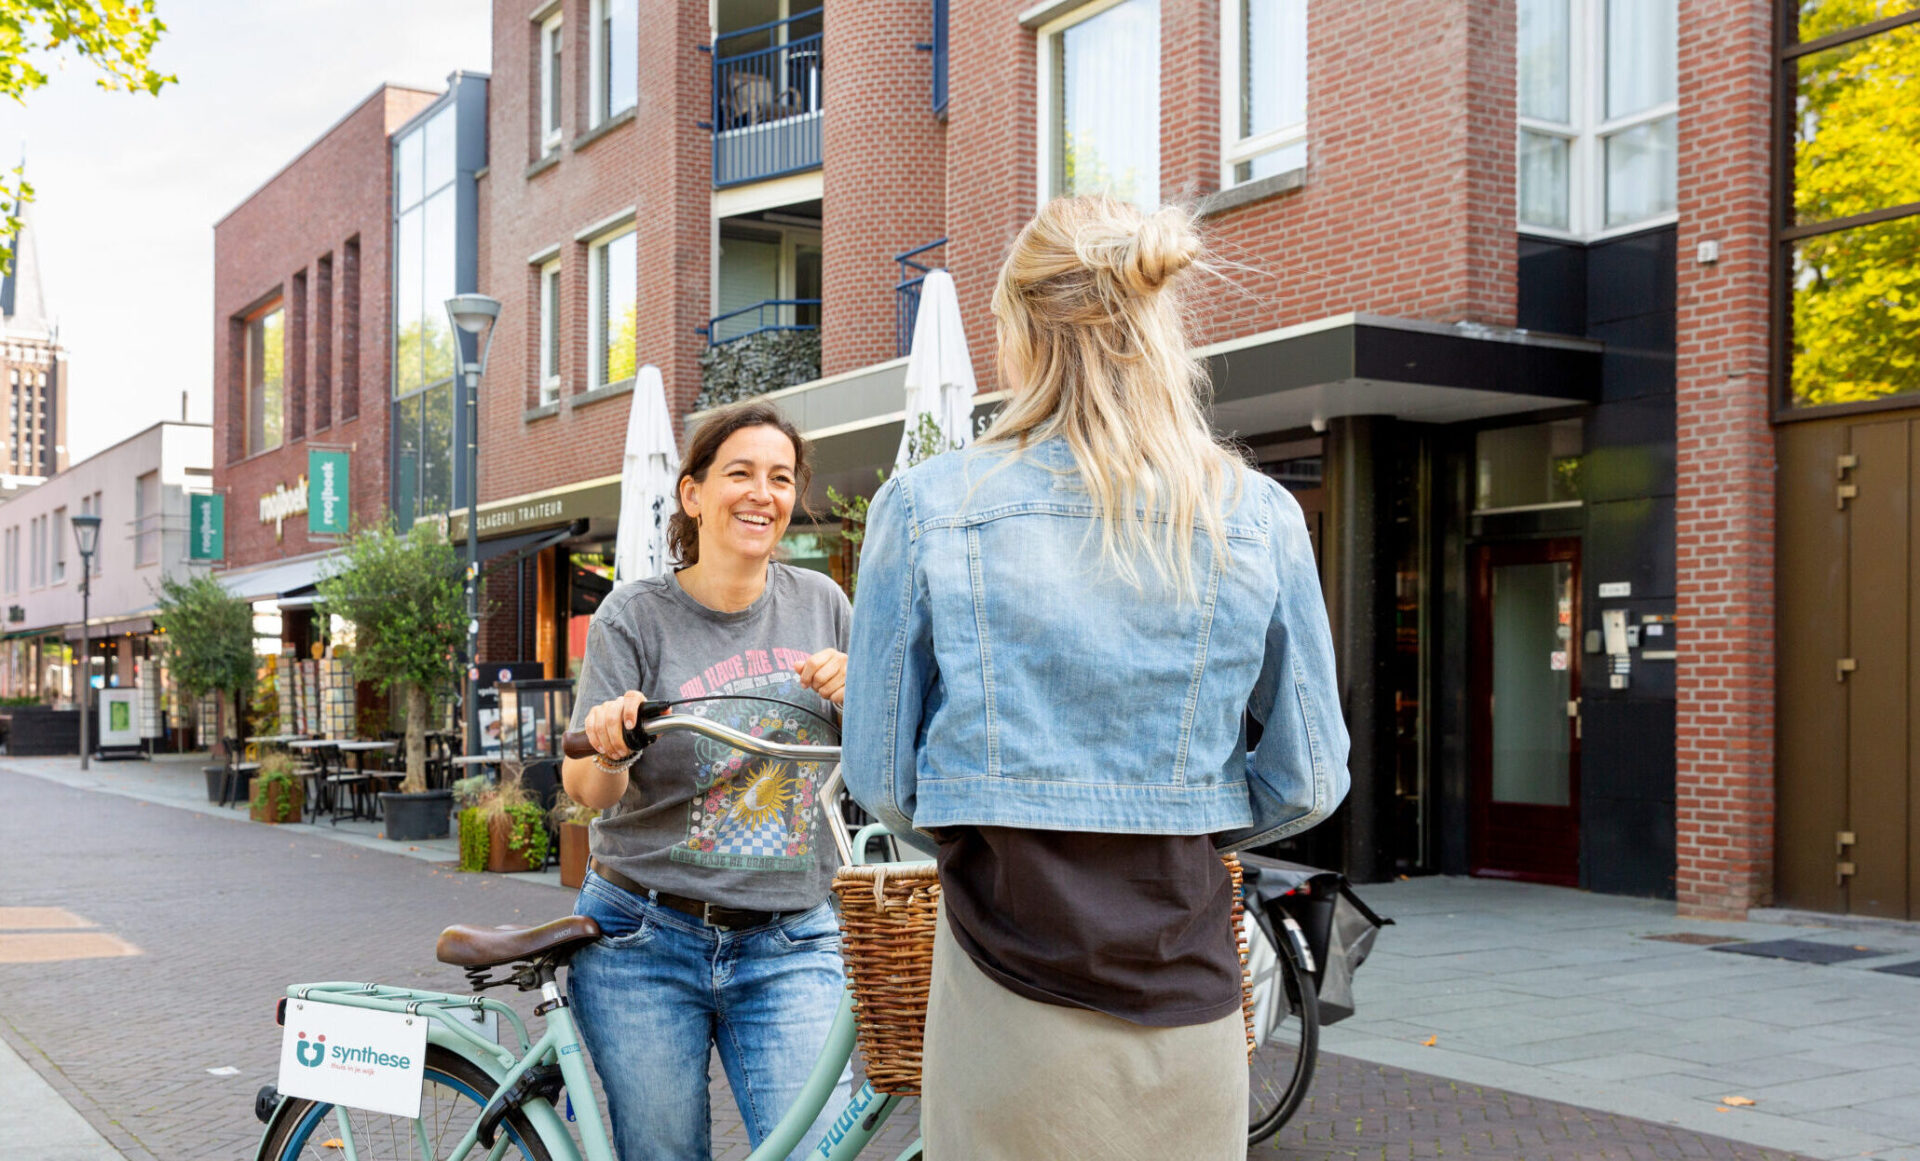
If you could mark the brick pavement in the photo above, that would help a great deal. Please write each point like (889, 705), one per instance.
(226, 913)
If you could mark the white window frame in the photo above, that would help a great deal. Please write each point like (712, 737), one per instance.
(596, 342)
(551, 134)
(60, 521)
(598, 94)
(550, 293)
(1235, 149)
(1044, 37)
(1588, 131)
(13, 559)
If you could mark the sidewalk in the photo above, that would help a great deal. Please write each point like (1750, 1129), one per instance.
(175, 780)
(1569, 996)
(1551, 993)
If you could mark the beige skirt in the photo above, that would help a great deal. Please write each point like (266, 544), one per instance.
(1011, 1079)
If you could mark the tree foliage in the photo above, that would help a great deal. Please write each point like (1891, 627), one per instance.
(115, 36)
(209, 639)
(1856, 292)
(923, 443)
(404, 597)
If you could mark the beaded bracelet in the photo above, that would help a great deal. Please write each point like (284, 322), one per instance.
(619, 766)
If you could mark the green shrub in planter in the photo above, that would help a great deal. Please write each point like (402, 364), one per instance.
(474, 840)
(757, 364)
(527, 833)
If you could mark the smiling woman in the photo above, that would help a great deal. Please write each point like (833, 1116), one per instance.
(697, 843)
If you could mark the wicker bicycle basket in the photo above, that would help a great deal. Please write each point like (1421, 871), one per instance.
(886, 938)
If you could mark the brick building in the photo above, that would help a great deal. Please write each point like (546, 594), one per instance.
(302, 307)
(34, 442)
(1523, 299)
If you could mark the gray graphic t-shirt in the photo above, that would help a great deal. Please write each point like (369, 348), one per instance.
(701, 818)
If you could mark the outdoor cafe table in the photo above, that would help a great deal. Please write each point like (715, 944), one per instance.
(360, 750)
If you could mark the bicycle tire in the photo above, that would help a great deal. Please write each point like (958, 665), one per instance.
(455, 1090)
(1290, 1048)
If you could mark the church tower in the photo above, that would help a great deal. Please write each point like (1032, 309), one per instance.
(33, 368)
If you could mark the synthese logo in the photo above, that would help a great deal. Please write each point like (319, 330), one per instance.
(317, 1054)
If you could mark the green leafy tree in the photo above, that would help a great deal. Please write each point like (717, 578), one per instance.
(403, 595)
(114, 36)
(209, 641)
(1856, 292)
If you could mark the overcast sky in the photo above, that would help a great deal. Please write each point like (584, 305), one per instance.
(128, 187)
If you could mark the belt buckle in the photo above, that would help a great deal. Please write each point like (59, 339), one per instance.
(706, 917)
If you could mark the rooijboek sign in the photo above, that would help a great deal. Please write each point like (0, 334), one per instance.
(327, 495)
(207, 537)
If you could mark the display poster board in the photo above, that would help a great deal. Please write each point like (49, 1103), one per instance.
(119, 719)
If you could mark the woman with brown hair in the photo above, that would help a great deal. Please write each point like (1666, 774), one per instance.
(711, 867)
(1058, 634)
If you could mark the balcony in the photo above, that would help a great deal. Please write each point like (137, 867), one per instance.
(914, 268)
(766, 100)
(759, 348)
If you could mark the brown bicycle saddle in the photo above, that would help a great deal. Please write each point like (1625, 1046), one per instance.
(480, 947)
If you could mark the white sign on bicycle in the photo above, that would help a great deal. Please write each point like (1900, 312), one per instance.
(354, 1057)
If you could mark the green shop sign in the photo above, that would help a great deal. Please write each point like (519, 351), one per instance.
(327, 506)
(207, 538)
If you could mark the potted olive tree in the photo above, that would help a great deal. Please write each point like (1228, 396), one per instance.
(403, 595)
(209, 648)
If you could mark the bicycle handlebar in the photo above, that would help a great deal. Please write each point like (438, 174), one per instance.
(659, 718)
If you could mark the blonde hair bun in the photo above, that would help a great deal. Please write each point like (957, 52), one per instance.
(1164, 244)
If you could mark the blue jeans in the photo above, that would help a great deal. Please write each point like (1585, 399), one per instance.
(661, 989)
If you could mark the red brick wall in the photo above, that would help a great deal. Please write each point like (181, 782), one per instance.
(1725, 505)
(658, 162)
(886, 183)
(1408, 208)
(335, 191)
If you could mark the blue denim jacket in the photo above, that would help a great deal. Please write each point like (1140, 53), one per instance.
(1001, 673)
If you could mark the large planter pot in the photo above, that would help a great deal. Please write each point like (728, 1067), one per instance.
(279, 802)
(573, 853)
(502, 859)
(412, 817)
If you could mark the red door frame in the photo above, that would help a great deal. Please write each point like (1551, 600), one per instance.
(1539, 844)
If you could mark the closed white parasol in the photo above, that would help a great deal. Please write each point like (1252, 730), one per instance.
(940, 379)
(647, 474)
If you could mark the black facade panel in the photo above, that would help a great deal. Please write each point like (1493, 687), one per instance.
(1632, 541)
(1552, 286)
(1639, 359)
(1630, 450)
(1626, 750)
(1627, 847)
(1630, 276)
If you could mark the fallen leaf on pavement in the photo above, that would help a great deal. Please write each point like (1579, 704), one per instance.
(333, 1143)
(1736, 1101)
(1429, 1042)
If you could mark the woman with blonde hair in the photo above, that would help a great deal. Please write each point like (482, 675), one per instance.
(1057, 637)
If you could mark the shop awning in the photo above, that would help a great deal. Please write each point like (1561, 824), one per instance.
(266, 582)
(508, 549)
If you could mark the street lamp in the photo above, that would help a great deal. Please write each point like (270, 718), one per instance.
(473, 314)
(86, 537)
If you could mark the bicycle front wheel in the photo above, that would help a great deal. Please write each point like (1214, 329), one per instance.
(454, 1092)
(1286, 1029)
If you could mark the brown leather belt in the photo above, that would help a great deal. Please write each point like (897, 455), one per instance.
(710, 914)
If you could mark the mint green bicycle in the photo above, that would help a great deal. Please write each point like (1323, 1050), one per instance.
(494, 1098)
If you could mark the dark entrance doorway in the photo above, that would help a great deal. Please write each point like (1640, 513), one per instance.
(1524, 702)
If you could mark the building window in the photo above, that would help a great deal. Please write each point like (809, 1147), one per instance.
(550, 332)
(13, 559)
(613, 273)
(1534, 466)
(1849, 228)
(146, 519)
(550, 91)
(60, 533)
(37, 567)
(266, 360)
(1597, 99)
(1100, 120)
(1263, 82)
(616, 51)
(426, 238)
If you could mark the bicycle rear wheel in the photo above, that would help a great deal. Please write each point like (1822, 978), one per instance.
(1286, 1026)
(454, 1092)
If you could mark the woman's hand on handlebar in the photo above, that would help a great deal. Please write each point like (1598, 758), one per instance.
(825, 673)
(608, 722)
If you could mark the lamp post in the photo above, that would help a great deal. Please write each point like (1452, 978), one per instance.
(473, 314)
(86, 537)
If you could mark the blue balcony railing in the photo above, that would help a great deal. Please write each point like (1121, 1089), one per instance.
(773, 314)
(767, 87)
(939, 56)
(906, 293)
